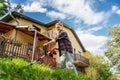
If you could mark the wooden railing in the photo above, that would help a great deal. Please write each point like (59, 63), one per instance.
(80, 58)
(15, 48)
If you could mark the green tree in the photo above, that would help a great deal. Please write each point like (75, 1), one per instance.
(19, 8)
(99, 68)
(113, 46)
(4, 5)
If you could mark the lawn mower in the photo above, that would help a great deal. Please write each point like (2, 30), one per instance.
(46, 57)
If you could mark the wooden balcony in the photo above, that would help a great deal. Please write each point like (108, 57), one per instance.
(80, 60)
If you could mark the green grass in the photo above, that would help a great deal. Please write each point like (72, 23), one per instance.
(18, 69)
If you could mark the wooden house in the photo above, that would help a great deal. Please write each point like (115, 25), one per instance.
(16, 26)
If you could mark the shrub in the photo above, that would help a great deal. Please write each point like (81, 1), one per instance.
(18, 69)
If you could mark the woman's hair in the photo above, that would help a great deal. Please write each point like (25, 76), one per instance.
(59, 23)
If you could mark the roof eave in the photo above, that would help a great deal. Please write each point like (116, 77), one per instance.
(19, 15)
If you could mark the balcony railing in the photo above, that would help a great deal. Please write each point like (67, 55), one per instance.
(79, 59)
(15, 48)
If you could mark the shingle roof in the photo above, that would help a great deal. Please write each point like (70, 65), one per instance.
(9, 16)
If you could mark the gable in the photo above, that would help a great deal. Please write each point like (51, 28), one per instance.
(23, 22)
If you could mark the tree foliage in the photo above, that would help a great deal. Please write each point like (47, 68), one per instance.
(19, 8)
(99, 68)
(113, 46)
(4, 5)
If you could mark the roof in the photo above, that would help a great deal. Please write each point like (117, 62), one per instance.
(8, 18)
(5, 27)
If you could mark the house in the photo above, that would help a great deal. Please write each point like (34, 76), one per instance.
(45, 32)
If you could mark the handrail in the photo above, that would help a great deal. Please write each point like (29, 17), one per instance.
(79, 57)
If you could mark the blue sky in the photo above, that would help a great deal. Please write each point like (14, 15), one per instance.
(89, 18)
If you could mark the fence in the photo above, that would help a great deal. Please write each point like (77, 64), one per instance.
(15, 49)
(23, 50)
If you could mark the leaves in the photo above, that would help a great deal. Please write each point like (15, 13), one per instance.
(113, 45)
(3, 8)
(1, 5)
(99, 68)
(18, 69)
(19, 8)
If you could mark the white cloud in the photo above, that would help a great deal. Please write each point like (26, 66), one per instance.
(116, 10)
(34, 7)
(91, 30)
(79, 9)
(54, 14)
(93, 43)
(13, 5)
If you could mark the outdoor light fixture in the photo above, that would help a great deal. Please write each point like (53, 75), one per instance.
(35, 27)
(31, 29)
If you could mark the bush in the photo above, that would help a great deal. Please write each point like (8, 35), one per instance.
(18, 69)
